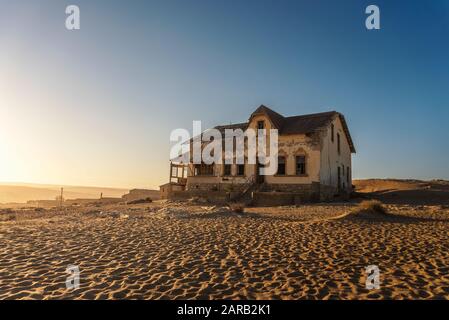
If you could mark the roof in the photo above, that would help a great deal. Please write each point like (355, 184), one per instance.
(235, 126)
(276, 118)
(302, 124)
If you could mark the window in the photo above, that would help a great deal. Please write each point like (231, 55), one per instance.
(338, 143)
(204, 169)
(347, 175)
(300, 165)
(227, 170)
(332, 132)
(281, 166)
(339, 177)
(240, 169)
(260, 124)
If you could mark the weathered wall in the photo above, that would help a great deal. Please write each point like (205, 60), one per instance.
(167, 188)
(331, 159)
(291, 146)
(211, 196)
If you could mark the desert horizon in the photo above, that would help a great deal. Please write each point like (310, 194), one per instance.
(23, 192)
(308, 251)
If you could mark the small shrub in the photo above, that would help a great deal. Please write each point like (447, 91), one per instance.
(237, 207)
(372, 205)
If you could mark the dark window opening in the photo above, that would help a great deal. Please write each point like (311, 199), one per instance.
(260, 125)
(347, 175)
(240, 169)
(339, 177)
(227, 169)
(332, 132)
(204, 169)
(300, 165)
(338, 143)
(281, 166)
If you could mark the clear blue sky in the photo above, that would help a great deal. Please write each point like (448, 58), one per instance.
(96, 106)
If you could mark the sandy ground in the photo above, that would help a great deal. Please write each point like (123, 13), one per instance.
(174, 250)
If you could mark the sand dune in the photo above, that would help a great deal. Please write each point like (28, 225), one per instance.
(395, 191)
(185, 251)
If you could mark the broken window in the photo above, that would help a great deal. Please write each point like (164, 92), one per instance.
(260, 125)
(300, 165)
(281, 166)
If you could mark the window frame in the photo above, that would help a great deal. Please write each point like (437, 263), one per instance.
(304, 165)
(332, 132)
(201, 170)
(347, 175)
(225, 174)
(238, 170)
(285, 166)
(338, 143)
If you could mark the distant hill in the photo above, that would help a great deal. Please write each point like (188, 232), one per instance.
(22, 192)
(405, 191)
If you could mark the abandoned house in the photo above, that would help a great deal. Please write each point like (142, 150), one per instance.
(314, 164)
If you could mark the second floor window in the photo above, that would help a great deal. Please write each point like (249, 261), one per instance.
(300, 165)
(332, 132)
(281, 166)
(260, 125)
(338, 143)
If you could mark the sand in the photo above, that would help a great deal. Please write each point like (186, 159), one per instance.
(169, 250)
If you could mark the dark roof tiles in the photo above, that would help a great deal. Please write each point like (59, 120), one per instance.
(303, 124)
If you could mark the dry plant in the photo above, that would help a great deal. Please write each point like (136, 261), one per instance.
(373, 206)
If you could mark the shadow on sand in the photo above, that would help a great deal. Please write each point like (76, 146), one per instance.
(376, 217)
